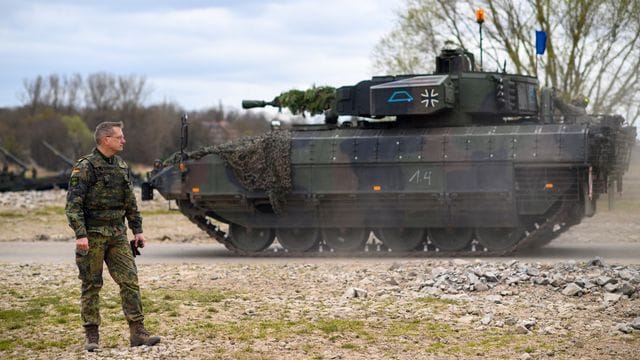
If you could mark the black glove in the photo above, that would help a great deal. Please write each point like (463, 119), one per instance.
(134, 248)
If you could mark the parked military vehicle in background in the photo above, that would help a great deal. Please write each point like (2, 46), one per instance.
(458, 161)
(11, 180)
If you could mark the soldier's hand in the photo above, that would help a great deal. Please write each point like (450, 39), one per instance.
(139, 240)
(82, 244)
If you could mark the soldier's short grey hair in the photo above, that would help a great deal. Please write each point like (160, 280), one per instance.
(105, 129)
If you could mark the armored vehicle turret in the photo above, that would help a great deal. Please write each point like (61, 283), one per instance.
(458, 161)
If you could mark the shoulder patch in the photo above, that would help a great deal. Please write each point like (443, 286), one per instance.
(80, 172)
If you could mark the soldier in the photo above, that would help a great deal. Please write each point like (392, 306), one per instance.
(575, 112)
(100, 197)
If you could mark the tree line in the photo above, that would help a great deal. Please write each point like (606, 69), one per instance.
(64, 110)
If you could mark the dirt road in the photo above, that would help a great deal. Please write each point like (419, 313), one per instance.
(159, 253)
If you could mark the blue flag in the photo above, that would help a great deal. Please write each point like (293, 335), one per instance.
(541, 42)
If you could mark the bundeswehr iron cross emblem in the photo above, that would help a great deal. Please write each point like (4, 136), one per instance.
(430, 98)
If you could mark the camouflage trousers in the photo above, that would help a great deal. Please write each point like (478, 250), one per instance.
(115, 251)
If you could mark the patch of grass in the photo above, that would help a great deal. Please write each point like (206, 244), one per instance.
(109, 301)
(45, 344)
(307, 348)
(44, 301)
(48, 210)
(26, 213)
(436, 347)
(7, 345)
(11, 214)
(158, 212)
(492, 341)
(340, 326)
(66, 308)
(404, 328)
(350, 346)
(167, 301)
(241, 331)
(38, 313)
(486, 343)
(11, 292)
(15, 319)
(192, 295)
(248, 329)
(32, 313)
(436, 329)
(111, 340)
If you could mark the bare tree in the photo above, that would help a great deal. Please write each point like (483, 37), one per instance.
(132, 91)
(593, 47)
(73, 86)
(54, 91)
(109, 92)
(32, 93)
(101, 93)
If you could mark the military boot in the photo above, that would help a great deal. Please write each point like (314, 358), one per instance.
(140, 335)
(93, 338)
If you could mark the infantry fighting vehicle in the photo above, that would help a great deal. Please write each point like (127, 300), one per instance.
(458, 161)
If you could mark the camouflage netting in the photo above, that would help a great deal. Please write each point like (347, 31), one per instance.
(260, 163)
(314, 100)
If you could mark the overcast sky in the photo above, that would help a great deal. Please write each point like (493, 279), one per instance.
(194, 52)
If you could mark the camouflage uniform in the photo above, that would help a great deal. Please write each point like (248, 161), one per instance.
(100, 197)
(573, 114)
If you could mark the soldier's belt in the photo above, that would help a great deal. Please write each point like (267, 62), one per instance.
(99, 222)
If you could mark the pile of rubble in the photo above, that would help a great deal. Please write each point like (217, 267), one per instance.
(508, 283)
(571, 278)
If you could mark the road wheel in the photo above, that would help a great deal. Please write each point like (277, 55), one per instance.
(499, 239)
(298, 239)
(451, 239)
(401, 239)
(251, 239)
(345, 239)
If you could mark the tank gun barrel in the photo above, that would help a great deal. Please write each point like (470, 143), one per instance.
(58, 153)
(11, 157)
(315, 100)
(250, 104)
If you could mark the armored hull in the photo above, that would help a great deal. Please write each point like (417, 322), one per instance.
(446, 186)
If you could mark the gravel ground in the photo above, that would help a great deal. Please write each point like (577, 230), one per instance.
(403, 310)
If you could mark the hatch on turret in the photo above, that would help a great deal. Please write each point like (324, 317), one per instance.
(417, 95)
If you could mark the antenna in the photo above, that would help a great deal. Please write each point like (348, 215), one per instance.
(480, 20)
(184, 140)
(184, 134)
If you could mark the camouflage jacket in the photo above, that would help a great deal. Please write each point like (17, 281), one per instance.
(101, 195)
